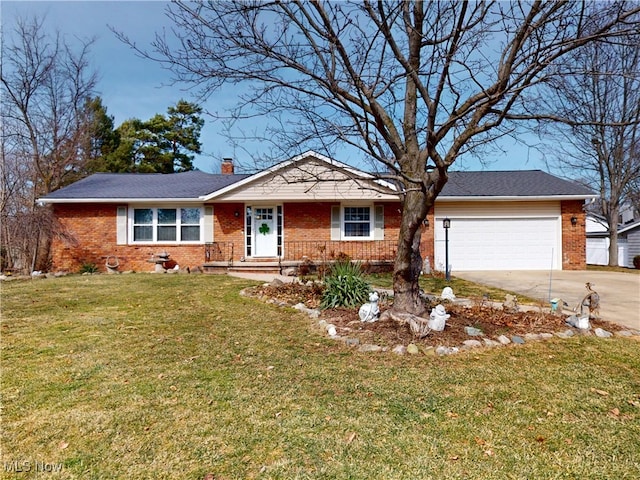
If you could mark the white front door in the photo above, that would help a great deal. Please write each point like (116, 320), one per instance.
(265, 232)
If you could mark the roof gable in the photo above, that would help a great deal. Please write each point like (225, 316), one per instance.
(307, 177)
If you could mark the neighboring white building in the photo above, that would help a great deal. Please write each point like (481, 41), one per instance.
(598, 243)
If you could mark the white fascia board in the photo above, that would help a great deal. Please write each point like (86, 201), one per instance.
(513, 198)
(629, 227)
(286, 163)
(121, 200)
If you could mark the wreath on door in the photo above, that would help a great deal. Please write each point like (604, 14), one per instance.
(264, 229)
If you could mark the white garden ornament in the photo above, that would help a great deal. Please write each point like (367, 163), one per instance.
(438, 318)
(369, 312)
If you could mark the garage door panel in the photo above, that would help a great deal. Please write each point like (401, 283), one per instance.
(499, 244)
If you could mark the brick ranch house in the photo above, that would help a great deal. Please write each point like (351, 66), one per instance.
(314, 209)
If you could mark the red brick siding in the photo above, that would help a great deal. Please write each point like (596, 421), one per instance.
(89, 236)
(227, 227)
(311, 222)
(574, 239)
(427, 240)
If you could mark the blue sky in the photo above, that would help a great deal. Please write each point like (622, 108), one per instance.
(132, 87)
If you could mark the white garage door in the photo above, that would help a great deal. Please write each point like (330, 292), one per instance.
(500, 243)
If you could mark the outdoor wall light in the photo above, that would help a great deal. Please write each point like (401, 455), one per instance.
(236, 214)
(425, 222)
(574, 220)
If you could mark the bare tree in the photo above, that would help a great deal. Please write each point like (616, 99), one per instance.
(45, 85)
(411, 84)
(598, 140)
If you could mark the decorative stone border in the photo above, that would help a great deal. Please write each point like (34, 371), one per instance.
(441, 350)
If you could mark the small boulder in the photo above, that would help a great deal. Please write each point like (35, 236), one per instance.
(473, 332)
(469, 344)
(602, 333)
(447, 294)
(369, 348)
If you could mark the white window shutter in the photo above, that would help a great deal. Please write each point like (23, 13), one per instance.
(378, 230)
(121, 226)
(335, 222)
(208, 224)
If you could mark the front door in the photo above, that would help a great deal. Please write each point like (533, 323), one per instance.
(265, 236)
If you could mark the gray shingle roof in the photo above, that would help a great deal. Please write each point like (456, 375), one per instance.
(191, 185)
(187, 185)
(514, 183)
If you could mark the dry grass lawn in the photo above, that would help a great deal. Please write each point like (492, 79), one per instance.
(177, 376)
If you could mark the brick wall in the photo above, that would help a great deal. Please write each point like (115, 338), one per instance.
(88, 235)
(427, 240)
(574, 240)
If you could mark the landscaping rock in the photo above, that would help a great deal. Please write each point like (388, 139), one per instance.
(566, 334)
(602, 333)
(313, 313)
(504, 340)
(351, 342)
(368, 348)
(532, 337)
(473, 332)
(546, 336)
(442, 350)
(412, 349)
(276, 282)
(518, 340)
(469, 344)
(624, 333)
(331, 330)
(491, 343)
(399, 350)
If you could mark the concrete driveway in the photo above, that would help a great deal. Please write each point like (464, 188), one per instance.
(619, 292)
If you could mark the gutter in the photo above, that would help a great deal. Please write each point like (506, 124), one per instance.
(46, 200)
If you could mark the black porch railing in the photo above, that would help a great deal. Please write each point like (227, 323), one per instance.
(381, 251)
(331, 250)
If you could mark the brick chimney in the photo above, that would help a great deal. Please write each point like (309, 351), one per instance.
(227, 166)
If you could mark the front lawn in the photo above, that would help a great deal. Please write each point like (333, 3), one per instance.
(176, 376)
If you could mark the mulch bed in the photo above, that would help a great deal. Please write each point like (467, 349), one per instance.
(491, 320)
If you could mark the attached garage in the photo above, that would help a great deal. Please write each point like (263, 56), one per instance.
(499, 236)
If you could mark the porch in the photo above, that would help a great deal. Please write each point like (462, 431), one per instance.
(221, 257)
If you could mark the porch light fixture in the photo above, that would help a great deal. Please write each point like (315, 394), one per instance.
(236, 214)
(425, 222)
(574, 220)
(446, 224)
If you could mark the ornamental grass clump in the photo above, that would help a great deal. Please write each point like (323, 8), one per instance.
(345, 286)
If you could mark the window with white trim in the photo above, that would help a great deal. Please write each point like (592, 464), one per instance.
(167, 225)
(357, 222)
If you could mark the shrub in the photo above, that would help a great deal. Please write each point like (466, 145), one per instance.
(345, 286)
(88, 267)
(636, 261)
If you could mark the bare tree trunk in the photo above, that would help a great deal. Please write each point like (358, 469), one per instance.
(408, 264)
